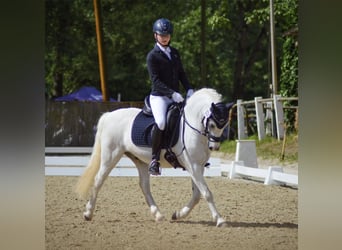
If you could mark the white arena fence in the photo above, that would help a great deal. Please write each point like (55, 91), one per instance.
(272, 175)
(71, 161)
(245, 165)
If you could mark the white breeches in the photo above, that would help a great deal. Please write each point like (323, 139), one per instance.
(159, 106)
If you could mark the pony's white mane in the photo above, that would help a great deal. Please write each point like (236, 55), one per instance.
(202, 99)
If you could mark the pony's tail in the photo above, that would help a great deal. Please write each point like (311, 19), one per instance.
(87, 178)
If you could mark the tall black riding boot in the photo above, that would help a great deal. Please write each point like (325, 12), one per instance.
(157, 135)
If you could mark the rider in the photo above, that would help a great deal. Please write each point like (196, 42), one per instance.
(166, 71)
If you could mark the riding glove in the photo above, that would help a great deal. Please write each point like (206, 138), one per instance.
(176, 97)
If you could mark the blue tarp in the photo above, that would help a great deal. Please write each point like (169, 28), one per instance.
(86, 93)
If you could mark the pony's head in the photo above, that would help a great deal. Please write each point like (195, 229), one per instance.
(212, 113)
(214, 124)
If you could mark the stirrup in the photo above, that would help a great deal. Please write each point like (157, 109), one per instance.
(153, 169)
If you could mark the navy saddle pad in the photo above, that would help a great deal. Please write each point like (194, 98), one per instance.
(142, 126)
(141, 130)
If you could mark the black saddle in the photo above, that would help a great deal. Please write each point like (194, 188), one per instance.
(144, 121)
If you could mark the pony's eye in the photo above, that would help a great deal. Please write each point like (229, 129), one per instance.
(212, 126)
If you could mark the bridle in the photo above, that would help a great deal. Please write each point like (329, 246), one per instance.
(209, 115)
(205, 133)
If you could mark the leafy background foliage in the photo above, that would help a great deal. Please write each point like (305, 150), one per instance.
(236, 38)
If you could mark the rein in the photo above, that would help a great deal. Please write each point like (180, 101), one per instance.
(205, 133)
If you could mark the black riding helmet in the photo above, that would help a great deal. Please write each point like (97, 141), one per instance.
(163, 26)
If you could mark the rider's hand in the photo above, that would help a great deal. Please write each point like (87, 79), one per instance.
(189, 93)
(176, 97)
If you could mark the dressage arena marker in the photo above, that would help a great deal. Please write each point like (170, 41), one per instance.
(246, 152)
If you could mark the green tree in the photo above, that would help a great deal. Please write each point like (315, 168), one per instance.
(70, 40)
(232, 55)
(286, 25)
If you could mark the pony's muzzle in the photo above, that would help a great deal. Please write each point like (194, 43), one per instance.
(214, 146)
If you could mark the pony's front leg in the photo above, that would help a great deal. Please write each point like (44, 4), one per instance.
(196, 196)
(144, 181)
(208, 196)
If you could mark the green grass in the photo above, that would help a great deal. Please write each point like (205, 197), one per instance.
(269, 147)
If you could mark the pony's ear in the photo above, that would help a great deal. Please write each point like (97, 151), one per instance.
(212, 106)
(229, 105)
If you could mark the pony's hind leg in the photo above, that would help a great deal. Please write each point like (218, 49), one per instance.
(196, 196)
(144, 182)
(99, 179)
(107, 164)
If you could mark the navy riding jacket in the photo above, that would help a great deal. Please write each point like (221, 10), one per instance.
(166, 74)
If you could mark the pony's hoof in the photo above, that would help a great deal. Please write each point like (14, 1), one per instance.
(86, 217)
(221, 223)
(160, 218)
(174, 216)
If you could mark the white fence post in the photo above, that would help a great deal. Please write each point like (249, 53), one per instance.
(241, 120)
(269, 119)
(260, 117)
(279, 115)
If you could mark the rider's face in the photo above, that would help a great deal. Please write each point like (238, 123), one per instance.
(163, 39)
